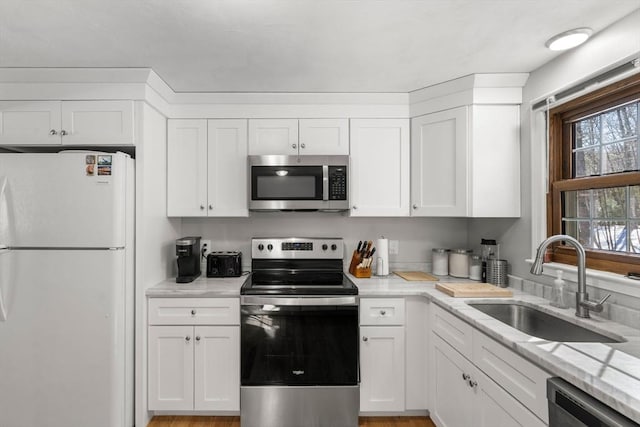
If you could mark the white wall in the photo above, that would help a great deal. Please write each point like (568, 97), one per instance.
(610, 47)
(155, 234)
(417, 236)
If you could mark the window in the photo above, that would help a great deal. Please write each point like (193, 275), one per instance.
(594, 172)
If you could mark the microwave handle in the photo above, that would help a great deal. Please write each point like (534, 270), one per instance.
(325, 182)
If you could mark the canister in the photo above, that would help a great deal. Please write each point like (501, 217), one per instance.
(440, 262)
(475, 268)
(459, 263)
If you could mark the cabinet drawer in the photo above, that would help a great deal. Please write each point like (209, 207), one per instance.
(382, 311)
(523, 380)
(454, 331)
(194, 311)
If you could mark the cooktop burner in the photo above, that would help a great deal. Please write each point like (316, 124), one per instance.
(297, 266)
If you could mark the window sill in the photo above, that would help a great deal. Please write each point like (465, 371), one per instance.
(600, 279)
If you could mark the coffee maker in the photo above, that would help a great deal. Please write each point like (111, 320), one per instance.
(188, 253)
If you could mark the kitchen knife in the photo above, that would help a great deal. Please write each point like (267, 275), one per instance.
(373, 251)
(359, 245)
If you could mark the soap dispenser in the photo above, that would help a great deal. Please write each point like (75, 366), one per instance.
(558, 298)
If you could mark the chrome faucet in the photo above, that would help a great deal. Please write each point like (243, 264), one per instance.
(583, 305)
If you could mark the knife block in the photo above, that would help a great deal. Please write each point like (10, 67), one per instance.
(362, 272)
(355, 260)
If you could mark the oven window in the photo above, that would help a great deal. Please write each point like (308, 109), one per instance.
(285, 345)
(286, 182)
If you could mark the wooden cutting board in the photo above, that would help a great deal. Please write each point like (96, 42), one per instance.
(473, 290)
(415, 275)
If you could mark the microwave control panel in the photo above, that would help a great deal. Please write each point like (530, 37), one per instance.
(337, 183)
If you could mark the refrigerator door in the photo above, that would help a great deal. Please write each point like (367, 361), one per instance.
(65, 339)
(67, 199)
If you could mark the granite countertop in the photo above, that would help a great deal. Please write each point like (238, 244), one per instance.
(610, 372)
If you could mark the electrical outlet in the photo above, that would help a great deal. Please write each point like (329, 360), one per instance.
(394, 247)
(205, 248)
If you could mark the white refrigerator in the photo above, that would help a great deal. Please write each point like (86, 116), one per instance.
(66, 289)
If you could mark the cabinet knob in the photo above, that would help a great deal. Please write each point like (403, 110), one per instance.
(383, 312)
(473, 384)
(365, 339)
(465, 377)
(63, 132)
(302, 146)
(201, 207)
(187, 338)
(197, 337)
(53, 132)
(210, 207)
(294, 146)
(415, 206)
(193, 312)
(355, 207)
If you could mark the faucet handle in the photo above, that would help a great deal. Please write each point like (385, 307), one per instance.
(606, 297)
(595, 306)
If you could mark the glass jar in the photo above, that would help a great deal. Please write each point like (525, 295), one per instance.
(459, 263)
(440, 262)
(475, 267)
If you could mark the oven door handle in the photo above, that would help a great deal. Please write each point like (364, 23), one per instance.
(302, 301)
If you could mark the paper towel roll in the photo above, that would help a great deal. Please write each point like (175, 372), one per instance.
(382, 257)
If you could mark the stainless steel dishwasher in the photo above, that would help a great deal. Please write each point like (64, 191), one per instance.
(572, 407)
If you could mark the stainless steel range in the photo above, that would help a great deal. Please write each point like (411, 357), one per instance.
(299, 336)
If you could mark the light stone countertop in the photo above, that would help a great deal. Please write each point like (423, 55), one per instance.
(610, 372)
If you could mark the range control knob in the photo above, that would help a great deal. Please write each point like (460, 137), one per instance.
(270, 246)
(334, 247)
(260, 247)
(324, 247)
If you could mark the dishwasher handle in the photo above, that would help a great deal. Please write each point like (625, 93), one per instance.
(571, 407)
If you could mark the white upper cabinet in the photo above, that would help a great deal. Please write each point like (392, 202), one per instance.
(187, 168)
(227, 168)
(379, 167)
(207, 168)
(439, 163)
(67, 123)
(466, 162)
(324, 136)
(292, 137)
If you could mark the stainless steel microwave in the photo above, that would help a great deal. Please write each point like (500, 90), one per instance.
(298, 183)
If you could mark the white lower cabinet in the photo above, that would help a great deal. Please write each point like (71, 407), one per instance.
(382, 355)
(193, 367)
(463, 394)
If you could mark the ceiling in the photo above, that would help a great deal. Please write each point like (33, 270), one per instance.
(296, 45)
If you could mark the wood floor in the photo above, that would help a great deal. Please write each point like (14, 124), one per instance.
(187, 421)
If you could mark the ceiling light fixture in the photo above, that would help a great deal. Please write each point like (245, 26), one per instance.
(569, 39)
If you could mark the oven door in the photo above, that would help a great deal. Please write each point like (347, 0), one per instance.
(309, 341)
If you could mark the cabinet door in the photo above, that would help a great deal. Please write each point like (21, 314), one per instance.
(382, 368)
(187, 168)
(217, 368)
(273, 136)
(28, 122)
(379, 167)
(452, 399)
(170, 368)
(439, 163)
(324, 136)
(227, 168)
(97, 123)
(495, 407)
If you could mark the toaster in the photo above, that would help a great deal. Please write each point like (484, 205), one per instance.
(224, 264)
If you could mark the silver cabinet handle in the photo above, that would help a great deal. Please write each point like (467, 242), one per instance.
(201, 207)
(193, 312)
(302, 146)
(383, 312)
(355, 207)
(187, 338)
(197, 337)
(415, 206)
(365, 339)
(210, 207)
(294, 146)
(473, 384)
(53, 132)
(465, 376)
(63, 132)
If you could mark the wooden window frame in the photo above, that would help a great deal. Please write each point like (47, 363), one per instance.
(561, 119)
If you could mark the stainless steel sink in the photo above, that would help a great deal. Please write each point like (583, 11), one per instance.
(539, 324)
